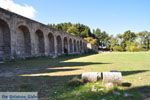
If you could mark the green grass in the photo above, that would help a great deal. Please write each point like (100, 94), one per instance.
(50, 76)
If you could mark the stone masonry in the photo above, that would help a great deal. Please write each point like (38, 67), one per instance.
(23, 37)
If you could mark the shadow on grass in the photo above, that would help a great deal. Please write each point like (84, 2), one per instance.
(62, 58)
(39, 62)
(63, 68)
(44, 65)
(126, 84)
(125, 73)
(74, 64)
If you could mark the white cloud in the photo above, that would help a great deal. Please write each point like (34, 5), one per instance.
(24, 10)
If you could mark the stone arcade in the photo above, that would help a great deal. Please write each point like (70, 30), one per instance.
(23, 37)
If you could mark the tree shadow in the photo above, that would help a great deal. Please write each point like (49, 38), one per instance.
(62, 57)
(74, 64)
(38, 62)
(126, 84)
(58, 67)
(125, 73)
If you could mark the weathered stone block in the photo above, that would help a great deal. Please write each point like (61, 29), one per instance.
(91, 76)
(112, 77)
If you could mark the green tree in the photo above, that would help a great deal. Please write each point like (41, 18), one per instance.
(129, 36)
(103, 39)
(144, 39)
(113, 43)
(73, 30)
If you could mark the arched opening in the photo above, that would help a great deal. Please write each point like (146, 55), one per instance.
(84, 45)
(59, 45)
(51, 43)
(75, 46)
(70, 45)
(65, 45)
(5, 40)
(24, 41)
(78, 46)
(40, 42)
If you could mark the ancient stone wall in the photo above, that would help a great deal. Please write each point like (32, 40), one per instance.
(92, 48)
(23, 37)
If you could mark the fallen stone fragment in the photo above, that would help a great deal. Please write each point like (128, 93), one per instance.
(94, 89)
(109, 85)
(103, 99)
(128, 95)
(91, 76)
(116, 93)
(112, 77)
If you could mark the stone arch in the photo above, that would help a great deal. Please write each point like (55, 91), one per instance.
(75, 46)
(5, 39)
(40, 42)
(51, 43)
(70, 45)
(59, 45)
(24, 41)
(65, 45)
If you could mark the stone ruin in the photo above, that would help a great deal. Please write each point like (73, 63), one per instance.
(22, 37)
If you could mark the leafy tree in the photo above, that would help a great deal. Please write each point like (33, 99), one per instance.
(114, 42)
(129, 36)
(97, 32)
(117, 48)
(73, 30)
(103, 38)
(123, 44)
(144, 39)
(134, 46)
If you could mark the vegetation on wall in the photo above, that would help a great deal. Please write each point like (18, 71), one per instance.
(91, 40)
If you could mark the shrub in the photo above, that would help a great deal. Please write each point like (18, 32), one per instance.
(118, 48)
(75, 82)
(132, 48)
(142, 48)
(91, 40)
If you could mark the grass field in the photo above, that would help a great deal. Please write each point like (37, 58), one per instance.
(50, 76)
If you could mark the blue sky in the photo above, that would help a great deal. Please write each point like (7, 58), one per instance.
(113, 16)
